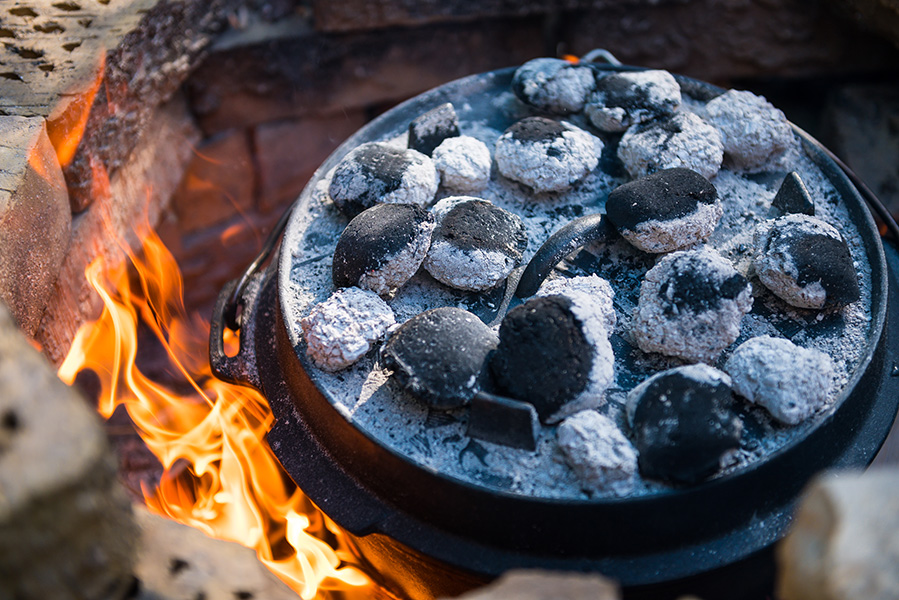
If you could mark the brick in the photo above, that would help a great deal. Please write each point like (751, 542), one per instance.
(35, 220)
(289, 152)
(219, 182)
(255, 77)
(136, 195)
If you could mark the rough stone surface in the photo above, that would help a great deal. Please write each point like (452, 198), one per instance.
(177, 562)
(843, 542)
(35, 220)
(66, 526)
(546, 585)
(135, 195)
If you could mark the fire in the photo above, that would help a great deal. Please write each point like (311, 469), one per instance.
(232, 487)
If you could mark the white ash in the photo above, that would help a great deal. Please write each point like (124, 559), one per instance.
(604, 460)
(653, 94)
(667, 235)
(701, 373)
(755, 133)
(555, 86)
(683, 140)
(693, 335)
(343, 328)
(792, 383)
(463, 163)
(398, 269)
(594, 286)
(549, 165)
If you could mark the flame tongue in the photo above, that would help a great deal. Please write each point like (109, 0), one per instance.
(232, 488)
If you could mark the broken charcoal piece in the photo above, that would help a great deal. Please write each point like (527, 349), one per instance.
(342, 329)
(683, 423)
(463, 163)
(790, 382)
(681, 140)
(691, 304)
(624, 99)
(598, 452)
(382, 247)
(430, 129)
(552, 85)
(503, 421)
(793, 197)
(665, 211)
(475, 245)
(805, 262)
(438, 355)
(376, 173)
(554, 352)
(546, 155)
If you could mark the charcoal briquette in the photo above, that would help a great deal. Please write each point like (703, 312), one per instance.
(552, 85)
(793, 197)
(433, 127)
(624, 99)
(503, 421)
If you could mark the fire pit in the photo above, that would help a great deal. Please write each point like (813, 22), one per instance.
(448, 533)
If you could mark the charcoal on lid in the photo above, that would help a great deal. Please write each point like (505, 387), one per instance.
(603, 459)
(683, 423)
(503, 421)
(665, 211)
(382, 247)
(475, 245)
(437, 356)
(793, 196)
(805, 262)
(624, 99)
(681, 140)
(552, 85)
(427, 131)
(554, 353)
(376, 173)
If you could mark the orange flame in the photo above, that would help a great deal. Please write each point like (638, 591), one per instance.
(66, 125)
(233, 488)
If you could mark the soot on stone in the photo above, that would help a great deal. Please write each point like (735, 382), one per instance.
(382, 247)
(376, 173)
(437, 356)
(433, 127)
(665, 211)
(683, 423)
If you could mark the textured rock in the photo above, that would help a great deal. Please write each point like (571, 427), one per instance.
(35, 220)
(66, 526)
(546, 585)
(843, 544)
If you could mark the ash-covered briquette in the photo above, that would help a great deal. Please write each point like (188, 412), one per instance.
(665, 211)
(475, 245)
(437, 356)
(754, 133)
(683, 423)
(599, 290)
(552, 85)
(433, 127)
(342, 329)
(624, 99)
(681, 140)
(382, 247)
(805, 262)
(503, 421)
(554, 352)
(790, 382)
(597, 451)
(546, 155)
(691, 304)
(463, 163)
(377, 173)
(793, 197)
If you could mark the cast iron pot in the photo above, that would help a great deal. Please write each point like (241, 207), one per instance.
(428, 535)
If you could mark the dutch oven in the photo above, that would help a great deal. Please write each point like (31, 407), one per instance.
(428, 535)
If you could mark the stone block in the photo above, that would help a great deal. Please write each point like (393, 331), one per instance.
(177, 562)
(546, 585)
(135, 196)
(843, 543)
(35, 220)
(288, 153)
(66, 525)
(289, 71)
(218, 184)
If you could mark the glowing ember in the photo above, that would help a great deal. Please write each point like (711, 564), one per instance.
(233, 487)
